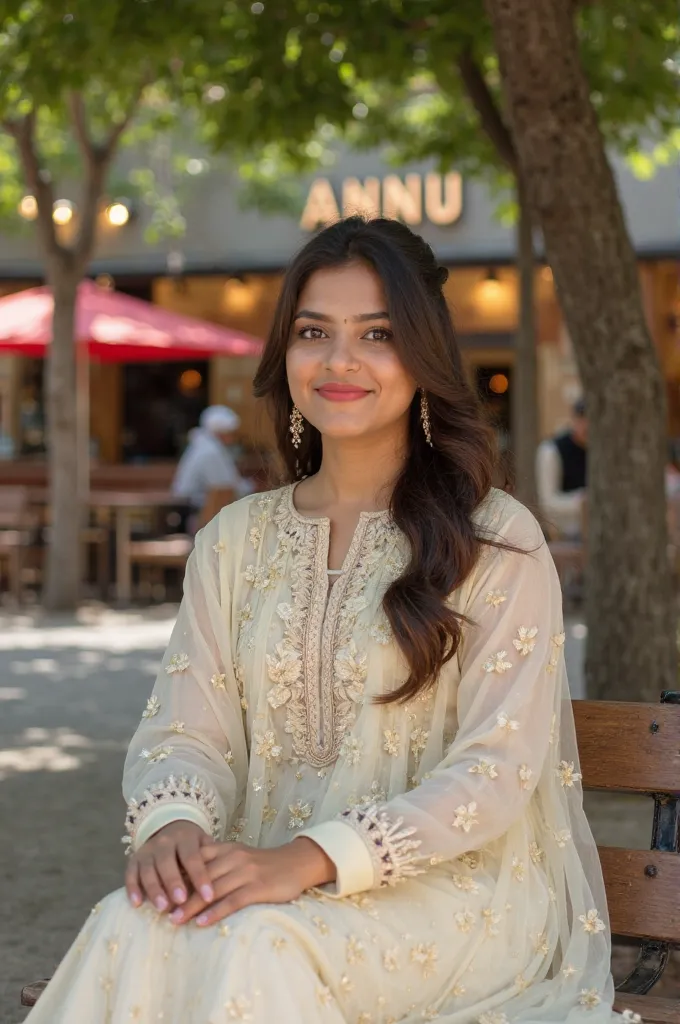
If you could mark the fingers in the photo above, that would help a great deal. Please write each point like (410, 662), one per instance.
(169, 874)
(151, 883)
(189, 852)
(240, 898)
(132, 885)
(227, 883)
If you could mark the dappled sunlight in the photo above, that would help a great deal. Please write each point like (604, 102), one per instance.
(50, 750)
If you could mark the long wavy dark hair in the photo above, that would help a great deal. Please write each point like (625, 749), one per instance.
(439, 487)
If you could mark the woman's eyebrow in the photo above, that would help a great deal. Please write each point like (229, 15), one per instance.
(310, 314)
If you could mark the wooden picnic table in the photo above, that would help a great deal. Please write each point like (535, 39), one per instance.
(122, 504)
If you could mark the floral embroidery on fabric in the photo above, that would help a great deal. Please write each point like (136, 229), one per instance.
(381, 632)
(267, 747)
(589, 998)
(491, 921)
(506, 723)
(177, 726)
(153, 706)
(157, 754)
(391, 742)
(465, 884)
(178, 663)
(318, 671)
(493, 1017)
(562, 837)
(592, 922)
(496, 597)
(557, 643)
(182, 790)
(419, 738)
(484, 768)
(239, 1008)
(465, 817)
(525, 640)
(354, 950)
(567, 774)
(391, 960)
(525, 774)
(427, 955)
(465, 920)
(518, 869)
(219, 548)
(536, 853)
(299, 813)
(391, 847)
(351, 749)
(497, 663)
(218, 681)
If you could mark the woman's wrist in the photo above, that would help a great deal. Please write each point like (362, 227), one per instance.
(317, 867)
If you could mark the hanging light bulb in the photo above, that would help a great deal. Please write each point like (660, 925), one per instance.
(62, 212)
(118, 213)
(28, 207)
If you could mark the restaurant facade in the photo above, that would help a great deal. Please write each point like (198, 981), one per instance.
(228, 268)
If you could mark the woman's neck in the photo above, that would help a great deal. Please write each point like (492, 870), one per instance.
(356, 472)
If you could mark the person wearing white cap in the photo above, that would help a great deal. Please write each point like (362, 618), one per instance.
(207, 461)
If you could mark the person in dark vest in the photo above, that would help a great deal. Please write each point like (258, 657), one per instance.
(561, 474)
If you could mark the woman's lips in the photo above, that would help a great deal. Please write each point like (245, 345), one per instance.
(341, 392)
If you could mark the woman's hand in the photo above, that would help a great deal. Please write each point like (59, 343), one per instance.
(241, 875)
(155, 870)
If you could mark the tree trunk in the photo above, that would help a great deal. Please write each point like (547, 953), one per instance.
(630, 603)
(524, 394)
(63, 554)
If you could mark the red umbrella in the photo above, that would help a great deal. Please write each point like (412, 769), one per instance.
(117, 328)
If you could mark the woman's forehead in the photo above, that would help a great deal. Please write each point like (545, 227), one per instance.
(351, 289)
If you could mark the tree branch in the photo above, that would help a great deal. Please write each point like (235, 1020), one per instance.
(490, 116)
(97, 159)
(37, 179)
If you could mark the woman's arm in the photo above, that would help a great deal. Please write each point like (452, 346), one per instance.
(506, 702)
(188, 759)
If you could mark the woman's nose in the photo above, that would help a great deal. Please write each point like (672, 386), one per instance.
(341, 354)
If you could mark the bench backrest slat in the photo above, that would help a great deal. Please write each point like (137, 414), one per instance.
(642, 892)
(631, 748)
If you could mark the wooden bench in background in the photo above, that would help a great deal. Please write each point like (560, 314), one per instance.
(628, 748)
(635, 748)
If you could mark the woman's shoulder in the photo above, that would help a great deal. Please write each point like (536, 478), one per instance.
(500, 516)
(238, 518)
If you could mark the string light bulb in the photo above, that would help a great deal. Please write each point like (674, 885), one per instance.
(28, 207)
(118, 213)
(62, 212)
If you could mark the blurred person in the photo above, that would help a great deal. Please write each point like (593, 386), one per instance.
(354, 792)
(207, 462)
(561, 475)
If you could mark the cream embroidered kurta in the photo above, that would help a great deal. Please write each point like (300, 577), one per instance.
(468, 885)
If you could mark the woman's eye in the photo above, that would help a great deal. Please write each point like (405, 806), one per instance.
(378, 334)
(311, 333)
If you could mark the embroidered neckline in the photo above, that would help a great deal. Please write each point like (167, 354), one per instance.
(318, 672)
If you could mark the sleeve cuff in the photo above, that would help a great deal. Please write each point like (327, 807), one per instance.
(159, 817)
(349, 853)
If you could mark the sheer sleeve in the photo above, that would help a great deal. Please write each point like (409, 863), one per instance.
(505, 705)
(188, 757)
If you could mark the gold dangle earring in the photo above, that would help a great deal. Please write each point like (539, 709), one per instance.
(425, 417)
(297, 426)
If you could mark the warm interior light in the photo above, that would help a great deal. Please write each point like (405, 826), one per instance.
(498, 383)
(117, 214)
(238, 296)
(28, 208)
(190, 380)
(62, 212)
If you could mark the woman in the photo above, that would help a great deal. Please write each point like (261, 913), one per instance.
(353, 793)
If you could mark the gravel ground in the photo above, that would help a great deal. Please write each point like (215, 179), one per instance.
(71, 694)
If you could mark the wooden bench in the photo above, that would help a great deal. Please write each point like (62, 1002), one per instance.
(628, 748)
(635, 748)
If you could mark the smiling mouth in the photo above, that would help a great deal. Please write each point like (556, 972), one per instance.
(341, 392)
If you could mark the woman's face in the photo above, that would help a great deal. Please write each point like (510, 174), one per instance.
(343, 370)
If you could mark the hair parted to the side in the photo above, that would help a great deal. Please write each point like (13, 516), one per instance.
(439, 487)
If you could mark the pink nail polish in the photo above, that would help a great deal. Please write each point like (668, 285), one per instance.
(202, 919)
(179, 895)
(207, 892)
(176, 916)
(161, 903)
(135, 899)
